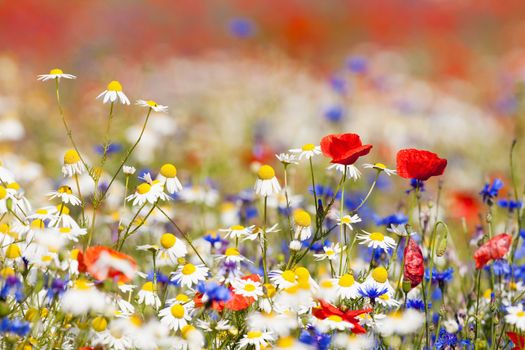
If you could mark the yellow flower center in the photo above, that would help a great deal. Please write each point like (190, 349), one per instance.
(6, 272)
(183, 298)
(143, 188)
(177, 311)
(99, 323)
(186, 330)
(346, 219)
(168, 240)
(377, 236)
(266, 172)
(327, 284)
(62, 209)
(302, 273)
(136, 320)
(335, 318)
(71, 157)
(487, 293)
(65, 189)
(330, 252)
(114, 86)
(254, 334)
(37, 224)
(380, 166)
(237, 228)
(302, 218)
(346, 280)
(285, 342)
(385, 297)
(148, 287)
(3, 192)
(380, 274)
(288, 276)
(188, 269)
(292, 290)
(13, 251)
(81, 284)
(520, 313)
(168, 170)
(152, 103)
(232, 252)
(308, 147)
(56, 71)
(249, 287)
(270, 290)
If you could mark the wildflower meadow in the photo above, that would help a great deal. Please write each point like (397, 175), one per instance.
(219, 203)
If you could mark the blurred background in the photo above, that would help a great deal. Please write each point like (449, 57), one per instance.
(246, 79)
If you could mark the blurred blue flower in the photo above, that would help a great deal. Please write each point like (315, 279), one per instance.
(394, 219)
(491, 191)
(214, 291)
(242, 27)
(357, 64)
(112, 148)
(334, 114)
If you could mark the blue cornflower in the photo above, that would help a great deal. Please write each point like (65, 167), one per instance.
(161, 278)
(321, 191)
(112, 148)
(57, 288)
(417, 304)
(18, 327)
(242, 27)
(371, 291)
(416, 184)
(339, 84)
(510, 204)
(446, 340)
(12, 286)
(491, 191)
(316, 338)
(394, 219)
(440, 277)
(214, 291)
(357, 64)
(334, 114)
(215, 240)
(500, 267)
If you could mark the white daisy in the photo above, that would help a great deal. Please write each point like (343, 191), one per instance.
(128, 170)
(174, 316)
(347, 287)
(307, 151)
(387, 300)
(380, 167)
(148, 192)
(351, 170)
(401, 323)
(257, 231)
(330, 252)
(72, 164)
(72, 233)
(148, 296)
(237, 231)
(55, 74)
(266, 184)
(351, 341)
(331, 323)
(287, 158)
(168, 177)
(171, 247)
(401, 230)
(376, 240)
(113, 93)
(188, 275)
(65, 194)
(516, 316)
(247, 288)
(153, 105)
(232, 255)
(348, 220)
(303, 222)
(259, 340)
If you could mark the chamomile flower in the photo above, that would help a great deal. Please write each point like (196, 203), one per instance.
(148, 296)
(174, 316)
(332, 323)
(168, 177)
(351, 170)
(72, 164)
(330, 252)
(327, 290)
(231, 255)
(188, 275)
(153, 105)
(376, 240)
(307, 151)
(402, 322)
(516, 316)
(258, 339)
(147, 192)
(347, 287)
(281, 324)
(257, 231)
(113, 93)
(82, 298)
(286, 159)
(401, 230)
(128, 170)
(387, 300)
(72, 234)
(348, 220)
(266, 184)
(351, 341)
(237, 231)
(378, 281)
(171, 247)
(65, 194)
(380, 167)
(303, 222)
(55, 73)
(247, 288)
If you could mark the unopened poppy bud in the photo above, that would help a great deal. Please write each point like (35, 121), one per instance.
(4, 309)
(442, 247)
(9, 203)
(407, 286)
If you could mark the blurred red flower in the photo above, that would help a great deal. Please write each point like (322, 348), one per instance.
(414, 268)
(344, 149)
(419, 164)
(518, 340)
(494, 248)
(103, 263)
(325, 310)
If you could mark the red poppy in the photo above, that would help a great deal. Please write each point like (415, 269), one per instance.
(344, 149)
(517, 339)
(494, 248)
(326, 310)
(414, 267)
(236, 303)
(419, 164)
(103, 262)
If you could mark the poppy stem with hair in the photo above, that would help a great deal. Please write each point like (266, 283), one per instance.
(342, 231)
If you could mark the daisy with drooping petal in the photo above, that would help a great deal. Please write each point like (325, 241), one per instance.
(174, 316)
(237, 231)
(516, 316)
(55, 73)
(307, 151)
(72, 164)
(148, 192)
(65, 194)
(330, 252)
(266, 184)
(168, 177)
(376, 240)
(188, 275)
(401, 230)
(380, 167)
(351, 170)
(256, 232)
(153, 105)
(286, 159)
(247, 288)
(388, 301)
(303, 222)
(259, 340)
(171, 247)
(232, 255)
(347, 287)
(113, 93)
(148, 296)
(348, 220)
